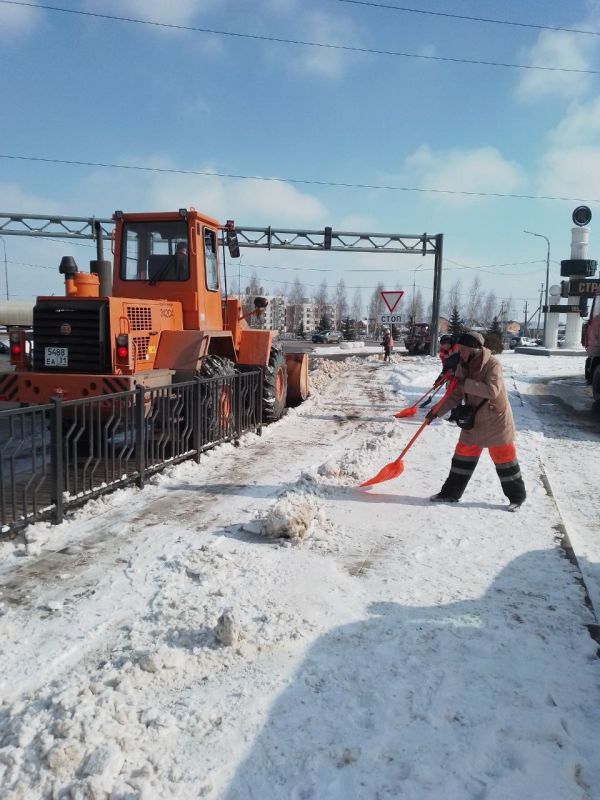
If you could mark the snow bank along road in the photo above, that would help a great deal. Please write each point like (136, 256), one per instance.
(257, 627)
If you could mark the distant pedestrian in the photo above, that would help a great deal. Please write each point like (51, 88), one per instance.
(486, 420)
(388, 344)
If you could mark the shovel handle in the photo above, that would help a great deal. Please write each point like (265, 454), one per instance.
(420, 430)
(436, 389)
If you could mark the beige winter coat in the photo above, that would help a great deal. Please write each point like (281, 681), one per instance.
(479, 379)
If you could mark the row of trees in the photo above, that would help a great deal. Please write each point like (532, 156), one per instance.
(475, 307)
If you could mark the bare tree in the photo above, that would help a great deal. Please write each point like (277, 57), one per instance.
(490, 309)
(453, 299)
(376, 307)
(341, 302)
(296, 293)
(357, 306)
(321, 299)
(474, 303)
(295, 299)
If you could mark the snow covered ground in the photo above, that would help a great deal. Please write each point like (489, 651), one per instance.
(257, 627)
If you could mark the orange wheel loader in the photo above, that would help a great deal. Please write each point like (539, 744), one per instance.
(161, 319)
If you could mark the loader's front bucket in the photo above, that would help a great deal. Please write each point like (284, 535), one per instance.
(297, 369)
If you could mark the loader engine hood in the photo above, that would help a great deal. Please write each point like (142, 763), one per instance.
(71, 335)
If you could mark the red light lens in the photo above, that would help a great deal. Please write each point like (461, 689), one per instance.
(122, 352)
(15, 349)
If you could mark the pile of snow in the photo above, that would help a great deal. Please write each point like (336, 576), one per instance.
(324, 370)
(294, 516)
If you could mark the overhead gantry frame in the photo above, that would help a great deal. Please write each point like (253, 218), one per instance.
(235, 236)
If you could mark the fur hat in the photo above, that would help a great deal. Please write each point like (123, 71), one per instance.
(471, 339)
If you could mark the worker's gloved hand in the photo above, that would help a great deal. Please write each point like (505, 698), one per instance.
(430, 416)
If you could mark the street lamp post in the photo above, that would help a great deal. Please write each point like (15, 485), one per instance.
(5, 266)
(541, 236)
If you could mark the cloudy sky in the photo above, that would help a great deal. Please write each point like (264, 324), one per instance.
(169, 96)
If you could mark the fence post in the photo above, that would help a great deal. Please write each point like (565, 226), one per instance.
(196, 420)
(260, 402)
(56, 459)
(140, 434)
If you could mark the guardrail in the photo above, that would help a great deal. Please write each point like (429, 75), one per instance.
(59, 455)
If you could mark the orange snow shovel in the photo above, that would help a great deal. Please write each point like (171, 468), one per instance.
(396, 468)
(410, 411)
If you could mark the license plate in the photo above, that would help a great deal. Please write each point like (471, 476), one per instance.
(57, 357)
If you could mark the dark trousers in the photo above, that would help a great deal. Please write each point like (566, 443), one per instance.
(465, 460)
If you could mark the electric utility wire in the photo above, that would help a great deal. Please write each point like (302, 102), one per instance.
(301, 42)
(464, 17)
(300, 181)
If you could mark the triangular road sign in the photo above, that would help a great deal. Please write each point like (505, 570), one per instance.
(391, 299)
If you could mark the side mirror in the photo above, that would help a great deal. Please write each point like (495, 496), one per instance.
(231, 239)
(260, 303)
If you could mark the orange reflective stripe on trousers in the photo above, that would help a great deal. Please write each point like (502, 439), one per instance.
(502, 454)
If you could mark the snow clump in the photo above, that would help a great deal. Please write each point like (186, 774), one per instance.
(227, 630)
(294, 516)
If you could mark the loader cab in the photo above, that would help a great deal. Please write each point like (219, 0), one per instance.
(170, 256)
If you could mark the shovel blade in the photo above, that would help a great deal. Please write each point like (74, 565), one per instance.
(387, 473)
(406, 412)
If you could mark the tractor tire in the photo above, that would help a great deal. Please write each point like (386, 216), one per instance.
(216, 403)
(213, 366)
(596, 384)
(274, 386)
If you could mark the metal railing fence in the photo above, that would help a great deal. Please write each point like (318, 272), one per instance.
(59, 455)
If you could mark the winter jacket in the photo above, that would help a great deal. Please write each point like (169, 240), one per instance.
(450, 361)
(481, 379)
(387, 341)
(451, 354)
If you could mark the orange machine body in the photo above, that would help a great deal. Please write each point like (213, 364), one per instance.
(165, 313)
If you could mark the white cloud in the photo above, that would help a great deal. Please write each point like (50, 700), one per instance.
(311, 26)
(555, 49)
(482, 169)
(181, 12)
(250, 202)
(581, 125)
(570, 163)
(321, 27)
(247, 201)
(570, 172)
(17, 20)
(17, 200)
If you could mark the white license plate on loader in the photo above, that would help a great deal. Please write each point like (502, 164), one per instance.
(57, 357)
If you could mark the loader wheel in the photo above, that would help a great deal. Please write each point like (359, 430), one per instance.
(217, 400)
(596, 384)
(274, 386)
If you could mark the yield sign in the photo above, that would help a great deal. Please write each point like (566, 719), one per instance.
(391, 299)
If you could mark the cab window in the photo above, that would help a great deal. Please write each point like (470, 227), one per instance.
(155, 251)
(595, 307)
(210, 259)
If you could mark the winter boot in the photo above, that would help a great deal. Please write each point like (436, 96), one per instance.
(442, 498)
(512, 483)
